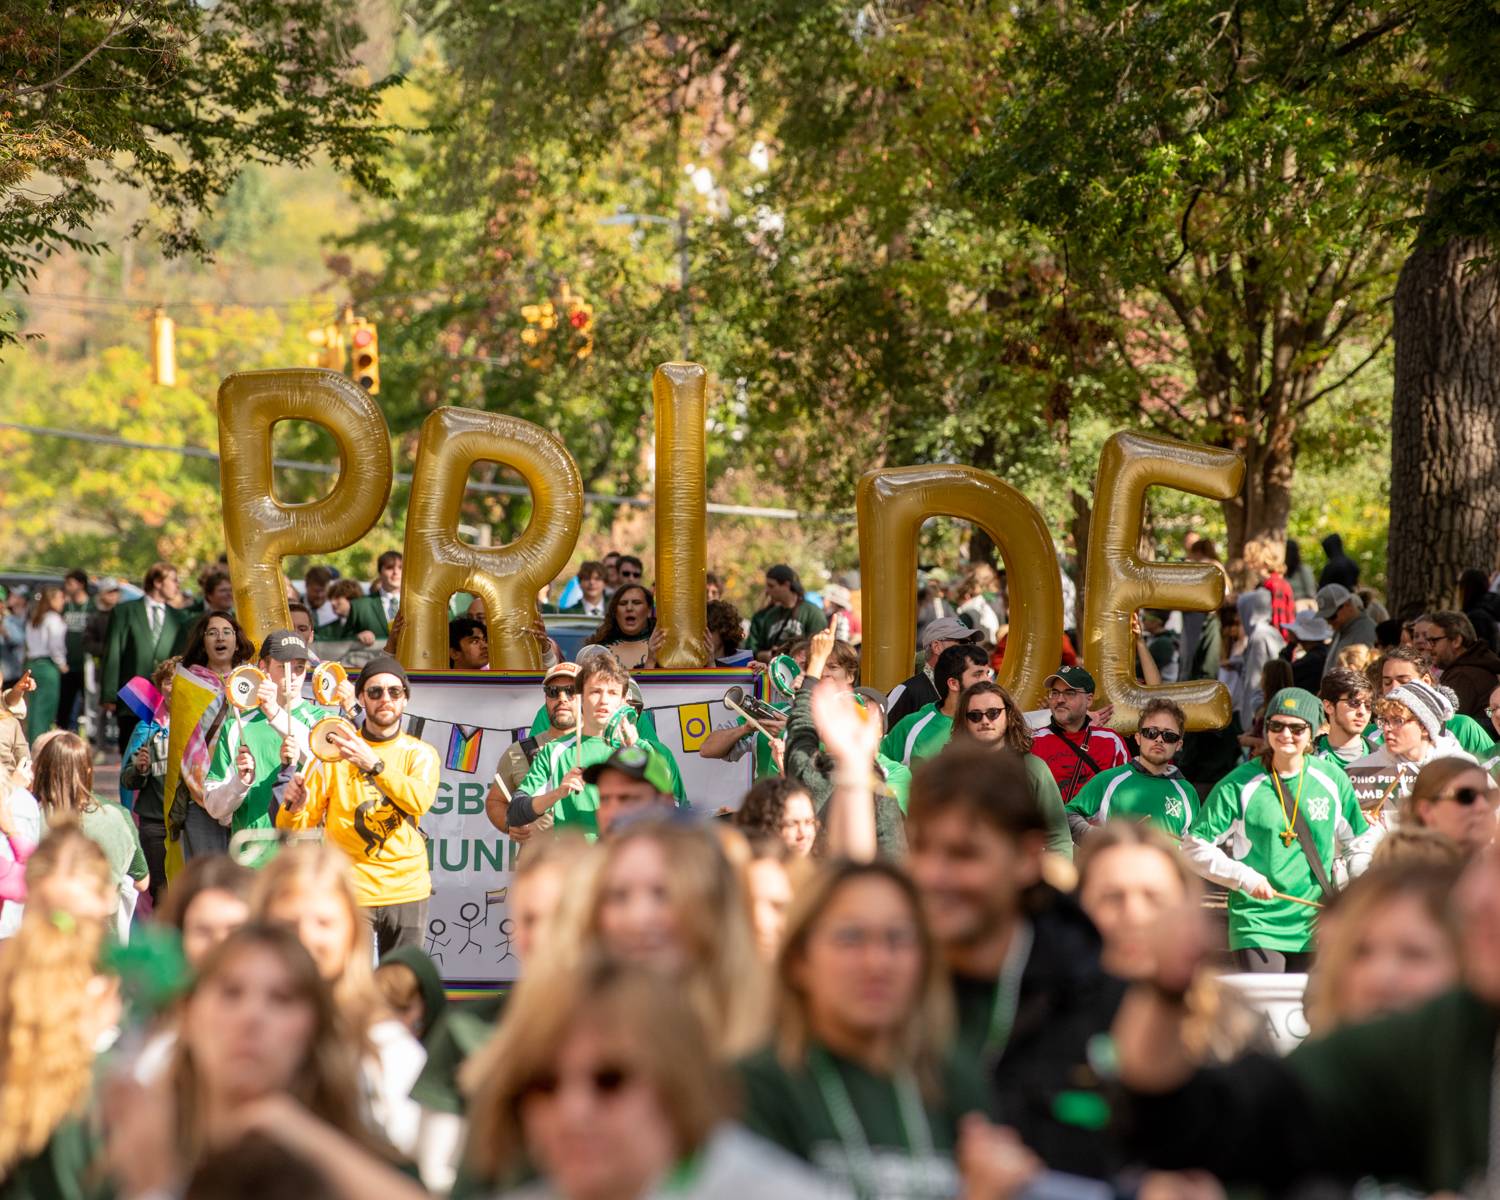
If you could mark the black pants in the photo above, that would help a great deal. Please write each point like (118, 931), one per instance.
(1254, 961)
(397, 925)
(69, 694)
(154, 847)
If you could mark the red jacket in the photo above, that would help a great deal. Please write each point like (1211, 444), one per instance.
(1056, 747)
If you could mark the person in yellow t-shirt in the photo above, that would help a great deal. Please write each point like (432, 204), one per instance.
(371, 802)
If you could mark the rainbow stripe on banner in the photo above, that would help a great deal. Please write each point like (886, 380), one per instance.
(463, 748)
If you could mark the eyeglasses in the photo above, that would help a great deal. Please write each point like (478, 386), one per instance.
(976, 715)
(557, 692)
(605, 1081)
(1393, 722)
(857, 937)
(1467, 795)
(1062, 693)
(1153, 734)
(1295, 728)
(395, 692)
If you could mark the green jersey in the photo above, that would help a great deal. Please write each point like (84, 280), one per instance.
(765, 765)
(251, 809)
(1469, 734)
(645, 728)
(1244, 833)
(76, 617)
(1134, 793)
(772, 626)
(1344, 755)
(917, 736)
(577, 810)
(872, 1135)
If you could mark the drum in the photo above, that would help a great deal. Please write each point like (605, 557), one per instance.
(321, 744)
(327, 678)
(243, 685)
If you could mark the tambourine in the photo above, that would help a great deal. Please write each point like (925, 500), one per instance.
(242, 688)
(327, 678)
(321, 744)
(784, 673)
(623, 715)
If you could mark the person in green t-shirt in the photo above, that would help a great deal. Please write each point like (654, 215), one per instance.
(926, 731)
(786, 615)
(1148, 788)
(77, 609)
(1347, 699)
(248, 755)
(859, 1081)
(555, 780)
(1246, 837)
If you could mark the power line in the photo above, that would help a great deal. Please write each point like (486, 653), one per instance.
(503, 489)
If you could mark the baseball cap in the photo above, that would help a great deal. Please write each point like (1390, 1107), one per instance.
(283, 645)
(638, 762)
(561, 670)
(837, 593)
(947, 629)
(1332, 598)
(1074, 677)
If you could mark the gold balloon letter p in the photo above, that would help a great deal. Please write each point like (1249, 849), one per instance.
(506, 577)
(1120, 581)
(892, 505)
(259, 530)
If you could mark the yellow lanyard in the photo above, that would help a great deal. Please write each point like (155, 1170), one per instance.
(1288, 835)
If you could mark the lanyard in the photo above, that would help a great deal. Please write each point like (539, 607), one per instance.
(1008, 991)
(915, 1131)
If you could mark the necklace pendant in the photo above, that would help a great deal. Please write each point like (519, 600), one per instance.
(1287, 837)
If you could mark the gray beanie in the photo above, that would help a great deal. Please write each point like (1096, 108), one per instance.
(1426, 703)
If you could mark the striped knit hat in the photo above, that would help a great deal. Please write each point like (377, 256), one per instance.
(1426, 703)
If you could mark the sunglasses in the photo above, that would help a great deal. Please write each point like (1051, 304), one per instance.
(1466, 796)
(395, 692)
(1296, 728)
(976, 715)
(556, 692)
(1356, 702)
(605, 1081)
(1170, 736)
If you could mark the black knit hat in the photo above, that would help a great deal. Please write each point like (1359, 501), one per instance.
(381, 664)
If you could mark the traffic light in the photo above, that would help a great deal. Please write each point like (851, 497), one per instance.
(581, 321)
(163, 349)
(366, 348)
(329, 340)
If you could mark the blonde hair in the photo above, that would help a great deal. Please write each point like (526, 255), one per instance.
(1356, 658)
(928, 1027)
(1416, 845)
(46, 1048)
(724, 978)
(656, 1033)
(1264, 558)
(1359, 907)
(318, 868)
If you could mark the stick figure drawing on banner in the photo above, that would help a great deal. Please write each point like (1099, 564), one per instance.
(434, 927)
(470, 916)
(507, 928)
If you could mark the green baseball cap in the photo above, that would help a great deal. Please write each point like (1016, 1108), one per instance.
(638, 762)
(1075, 677)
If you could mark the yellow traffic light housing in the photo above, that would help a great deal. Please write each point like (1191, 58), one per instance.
(365, 345)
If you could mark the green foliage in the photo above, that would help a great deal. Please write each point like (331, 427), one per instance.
(171, 97)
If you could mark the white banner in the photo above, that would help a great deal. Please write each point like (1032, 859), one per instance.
(471, 719)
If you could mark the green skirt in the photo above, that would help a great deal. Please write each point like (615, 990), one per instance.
(41, 705)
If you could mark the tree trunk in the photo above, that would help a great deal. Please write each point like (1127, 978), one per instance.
(1445, 442)
(1262, 510)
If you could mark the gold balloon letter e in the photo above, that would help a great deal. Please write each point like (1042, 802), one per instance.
(1120, 581)
(506, 577)
(259, 530)
(678, 393)
(892, 504)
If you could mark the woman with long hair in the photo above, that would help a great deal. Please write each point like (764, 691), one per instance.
(1390, 943)
(664, 895)
(218, 643)
(64, 787)
(858, 1078)
(629, 627)
(263, 1050)
(307, 887)
(209, 900)
(989, 716)
(46, 659)
(603, 1080)
(54, 1007)
(1457, 798)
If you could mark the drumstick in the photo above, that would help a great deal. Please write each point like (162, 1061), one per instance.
(1295, 900)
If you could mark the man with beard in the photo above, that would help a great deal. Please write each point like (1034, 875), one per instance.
(558, 690)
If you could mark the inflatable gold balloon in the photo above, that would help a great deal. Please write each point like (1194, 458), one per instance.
(506, 577)
(259, 530)
(679, 394)
(892, 505)
(1121, 582)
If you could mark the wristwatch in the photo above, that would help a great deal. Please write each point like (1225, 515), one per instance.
(375, 770)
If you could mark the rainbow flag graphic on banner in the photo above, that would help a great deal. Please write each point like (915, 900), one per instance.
(463, 749)
(696, 726)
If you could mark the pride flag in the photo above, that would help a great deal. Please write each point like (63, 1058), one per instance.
(463, 749)
(141, 697)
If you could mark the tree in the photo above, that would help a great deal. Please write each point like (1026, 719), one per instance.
(173, 97)
(1220, 219)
